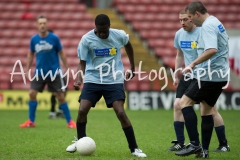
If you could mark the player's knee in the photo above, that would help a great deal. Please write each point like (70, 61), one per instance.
(121, 116)
(33, 95)
(176, 106)
(60, 97)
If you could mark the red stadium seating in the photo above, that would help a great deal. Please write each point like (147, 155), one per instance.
(165, 52)
(150, 34)
(154, 43)
(156, 21)
(67, 18)
(169, 61)
(20, 85)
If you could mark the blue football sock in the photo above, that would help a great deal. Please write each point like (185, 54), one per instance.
(179, 130)
(66, 112)
(32, 110)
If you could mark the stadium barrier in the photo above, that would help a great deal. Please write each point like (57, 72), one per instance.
(135, 100)
(18, 99)
(147, 100)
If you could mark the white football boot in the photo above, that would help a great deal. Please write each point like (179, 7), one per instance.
(138, 152)
(72, 148)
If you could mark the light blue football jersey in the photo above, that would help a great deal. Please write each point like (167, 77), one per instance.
(187, 42)
(103, 57)
(213, 35)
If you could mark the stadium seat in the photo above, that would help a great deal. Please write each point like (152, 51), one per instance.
(154, 43)
(9, 16)
(12, 6)
(131, 86)
(71, 51)
(20, 33)
(57, 7)
(156, 85)
(169, 61)
(157, 34)
(165, 52)
(68, 16)
(11, 42)
(20, 85)
(126, 63)
(4, 85)
(28, 16)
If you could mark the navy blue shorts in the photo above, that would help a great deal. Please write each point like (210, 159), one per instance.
(209, 91)
(111, 93)
(182, 87)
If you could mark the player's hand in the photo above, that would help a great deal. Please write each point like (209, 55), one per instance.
(130, 74)
(176, 82)
(77, 85)
(189, 68)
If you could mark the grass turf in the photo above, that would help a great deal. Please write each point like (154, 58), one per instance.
(153, 131)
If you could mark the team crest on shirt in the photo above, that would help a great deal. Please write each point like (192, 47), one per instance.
(113, 51)
(188, 44)
(194, 45)
(105, 52)
(221, 28)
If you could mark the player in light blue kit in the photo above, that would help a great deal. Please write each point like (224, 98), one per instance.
(100, 62)
(48, 49)
(186, 43)
(213, 60)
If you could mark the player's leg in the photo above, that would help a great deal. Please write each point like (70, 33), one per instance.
(53, 101)
(59, 113)
(178, 127)
(187, 101)
(89, 97)
(178, 116)
(220, 131)
(212, 91)
(64, 107)
(56, 86)
(36, 86)
(114, 96)
(85, 106)
(206, 127)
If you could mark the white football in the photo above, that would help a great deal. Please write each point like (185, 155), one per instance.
(86, 146)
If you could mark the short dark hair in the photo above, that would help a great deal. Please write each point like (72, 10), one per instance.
(41, 16)
(102, 19)
(196, 6)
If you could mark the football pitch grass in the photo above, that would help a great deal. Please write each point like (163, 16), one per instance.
(153, 131)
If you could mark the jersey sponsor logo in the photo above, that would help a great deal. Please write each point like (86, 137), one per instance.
(188, 44)
(221, 28)
(43, 46)
(105, 52)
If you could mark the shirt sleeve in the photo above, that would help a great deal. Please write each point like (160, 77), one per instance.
(176, 44)
(82, 50)
(31, 46)
(58, 44)
(125, 37)
(209, 37)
